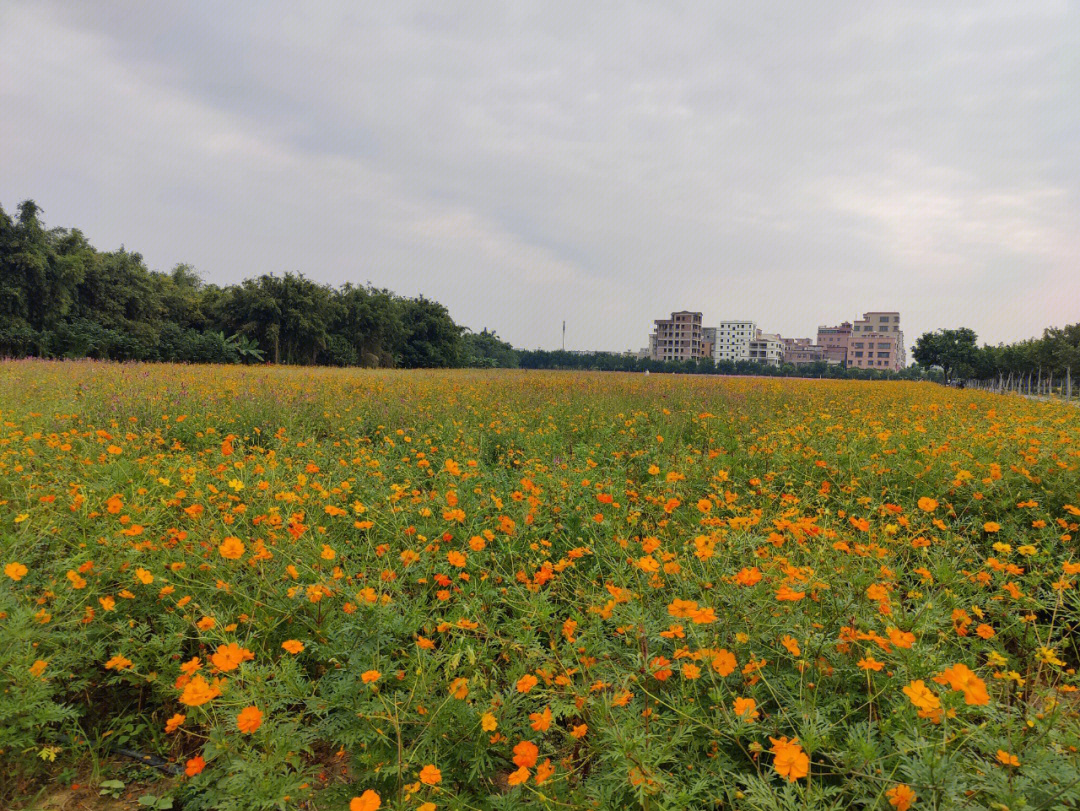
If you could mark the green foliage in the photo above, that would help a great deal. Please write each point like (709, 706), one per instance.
(485, 350)
(30, 709)
(951, 349)
(61, 298)
(1055, 354)
(613, 362)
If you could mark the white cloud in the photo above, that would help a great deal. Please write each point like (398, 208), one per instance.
(525, 164)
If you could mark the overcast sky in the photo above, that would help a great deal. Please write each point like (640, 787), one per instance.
(603, 164)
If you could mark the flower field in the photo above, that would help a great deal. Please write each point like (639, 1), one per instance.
(314, 588)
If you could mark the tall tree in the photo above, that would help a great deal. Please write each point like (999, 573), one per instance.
(951, 349)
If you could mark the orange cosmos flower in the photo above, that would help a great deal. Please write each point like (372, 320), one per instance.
(682, 608)
(621, 698)
(368, 676)
(174, 723)
(991, 527)
(785, 594)
(748, 576)
(194, 766)
(927, 504)
(368, 801)
(16, 571)
(118, 662)
(430, 776)
(292, 646)
(661, 671)
(197, 692)
(876, 591)
(231, 548)
(228, 657)
(789, 760)
(746, 708)
(526, 683)
(459, 688)
(922, 696)
(517, 777)
(901, 797)
(544, 771)
(960, 677)
(791, 644)
(488, 722)
(902, 639)
(579, 731)
(541, 721)
(870, 663)
(568, 628)
(249, 720)
(1005, 759)
(525, 754)
(724, 662)
(704, 616)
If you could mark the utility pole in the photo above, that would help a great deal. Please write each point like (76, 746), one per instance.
(564, 335)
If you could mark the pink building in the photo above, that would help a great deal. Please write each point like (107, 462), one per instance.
(804, 354)
(835, 342)
(877, 342)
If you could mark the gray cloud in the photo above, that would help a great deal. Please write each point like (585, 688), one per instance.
(529, 163)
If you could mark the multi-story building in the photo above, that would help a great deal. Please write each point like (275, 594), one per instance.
(802, 352)
(873, 350)
(877, 342)
(677, 338)
(835, 341)
(708, 341)
(767, 348)
(733, 339)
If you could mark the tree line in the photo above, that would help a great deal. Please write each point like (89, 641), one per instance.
(616, 362)
(60, 297)
(957, 353)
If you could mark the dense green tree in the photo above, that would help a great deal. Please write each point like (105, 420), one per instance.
(431, 338)
(61, 298)
(951, 349)
(370, 320)
(485, 349)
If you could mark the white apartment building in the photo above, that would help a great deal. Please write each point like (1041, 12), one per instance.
(767, 348)
(733, 339)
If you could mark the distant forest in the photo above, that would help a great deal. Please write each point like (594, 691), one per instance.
(59, 297)
(62, 298)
